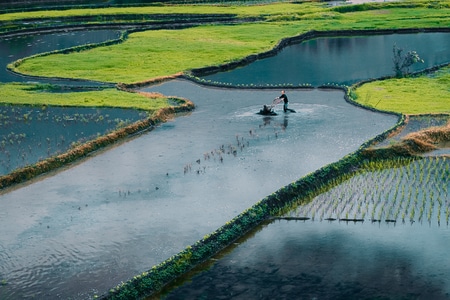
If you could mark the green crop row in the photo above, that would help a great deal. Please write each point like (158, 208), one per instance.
(403, 189)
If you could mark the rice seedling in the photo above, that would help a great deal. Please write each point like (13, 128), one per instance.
(447, 214)
(387, 190)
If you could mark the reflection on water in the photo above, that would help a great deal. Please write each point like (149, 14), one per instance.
(370, 259)
(329, 260)
(342, 60)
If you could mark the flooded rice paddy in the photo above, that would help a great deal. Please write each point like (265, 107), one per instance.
(417, 192)
(327, 260)
(77, 233)
(339, 60)
(383, 233)
(26, 139)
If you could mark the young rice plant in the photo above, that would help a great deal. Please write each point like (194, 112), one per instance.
(407, 190)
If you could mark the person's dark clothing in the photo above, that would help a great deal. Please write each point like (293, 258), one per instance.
(285, 100)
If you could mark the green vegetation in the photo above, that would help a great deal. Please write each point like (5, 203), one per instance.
(414, 95)
(239, 10)
(150, 54)
(37, 95)
(391, 190)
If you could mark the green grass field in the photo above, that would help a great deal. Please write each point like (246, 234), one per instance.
(149, 54)
(32, 95)
(414, 95)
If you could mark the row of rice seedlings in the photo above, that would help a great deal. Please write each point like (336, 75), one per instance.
(272, 130)
(407, 190)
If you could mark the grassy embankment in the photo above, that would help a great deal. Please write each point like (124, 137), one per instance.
(31, 95)
(412, 95)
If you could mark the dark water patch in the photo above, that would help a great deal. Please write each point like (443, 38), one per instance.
(340, 60)
(25, 135)
(296, 218)
(327, 260)
(350, 220)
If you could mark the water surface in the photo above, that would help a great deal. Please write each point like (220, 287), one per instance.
(328, 260)
(25, 137)
(341, 60)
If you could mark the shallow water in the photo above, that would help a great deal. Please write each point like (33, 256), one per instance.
(25, 137)
(341, 60)
(117, 214)
(417, 123)
(328, 260)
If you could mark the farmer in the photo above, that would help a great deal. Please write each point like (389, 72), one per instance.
(285, 100)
